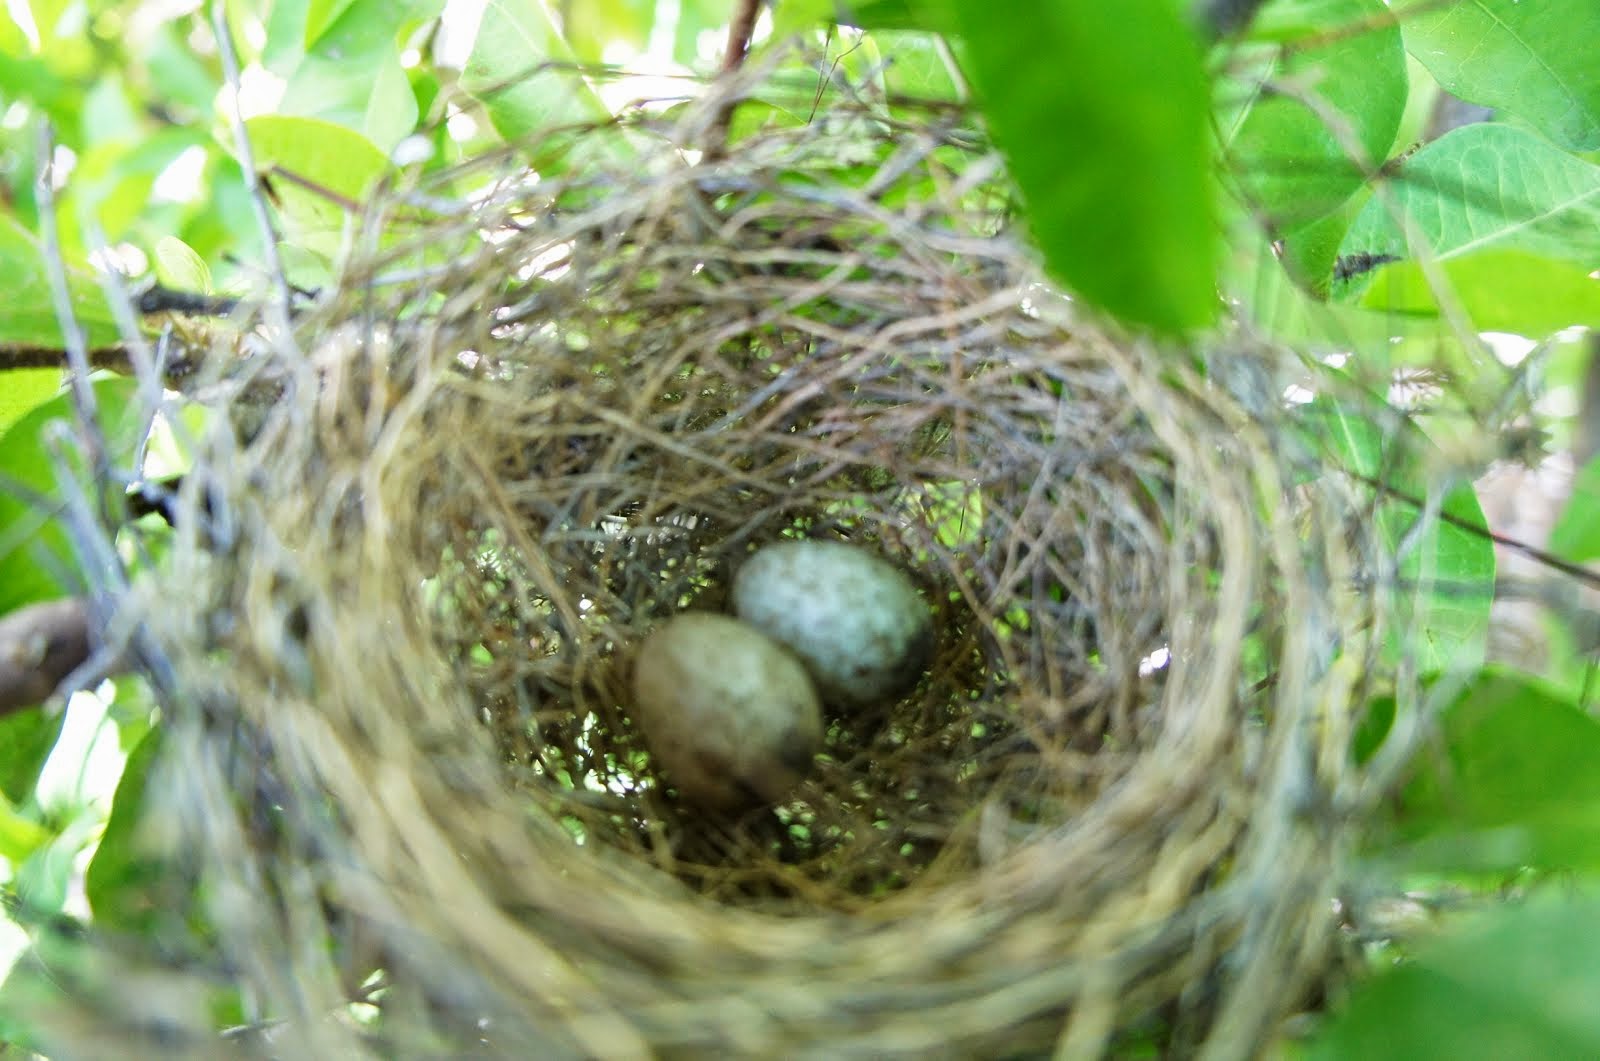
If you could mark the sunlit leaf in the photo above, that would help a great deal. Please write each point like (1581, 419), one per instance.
(23, 389)
(340, 60)
(178, 266)
(1103, 111)
(1498, 291)
(1485, 186)
(524, 72)
(19, 837)
(1531, 58)
(319, 171)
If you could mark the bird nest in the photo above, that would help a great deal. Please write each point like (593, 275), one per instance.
(399, 799)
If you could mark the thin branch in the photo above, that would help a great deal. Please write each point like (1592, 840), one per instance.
(247, 161)
(740, 30)
(1532, 552)
(83, 400)
(158, 299)
(22, 355)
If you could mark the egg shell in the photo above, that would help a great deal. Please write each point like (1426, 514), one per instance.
(853, 618)
(730, 716)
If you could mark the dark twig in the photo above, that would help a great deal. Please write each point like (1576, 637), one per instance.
(740, 30)
(1532, 552)
(158, 299)
(21, 355)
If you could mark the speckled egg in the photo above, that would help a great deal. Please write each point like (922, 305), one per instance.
(854, 619)
(729, 715)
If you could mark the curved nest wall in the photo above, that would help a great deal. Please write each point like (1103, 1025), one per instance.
(393, 643)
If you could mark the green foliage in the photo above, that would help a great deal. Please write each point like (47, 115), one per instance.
(1517, 982)
(22, 389)
(1486, 185)
(1101, 111)
(1510, 781)
(1535, 61)
(1499, 291)
(179, 266)
(521, 67)
(1576, 535)
(332, 170)
(27, 314)
(1443, 584)
(26, 738)
(126, 884)
(1325, 109)
(1498, 212)
(35, 555)
(340, 60)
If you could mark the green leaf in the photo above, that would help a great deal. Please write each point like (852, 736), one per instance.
(341, 62)
(26, 740)
(591, 26)
(1309, 251)
(1518, 982)
(113, 180)
(1498, 290)
(1325, 113)
(45, 878)
(1103, 111)
(1512, 780)
(177, 265)
(320, 14)
(1576, 535)
(954, 509)
(129, 884)
(367, 94)
(1444, 581)
(506, 71)
(1373, 729)
(917, 67)
(19, 837)
(1486, 186)
(329, 167)
(1535, 60)
(35, 554)
(27, 313)
(24, 389)
(1260, 283)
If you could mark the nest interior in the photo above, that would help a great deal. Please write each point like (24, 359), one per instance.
(392, 642)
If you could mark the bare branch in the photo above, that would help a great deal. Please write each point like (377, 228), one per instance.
(740, 30)
(39, 646)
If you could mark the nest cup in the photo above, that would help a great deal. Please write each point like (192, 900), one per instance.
(393, 640)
